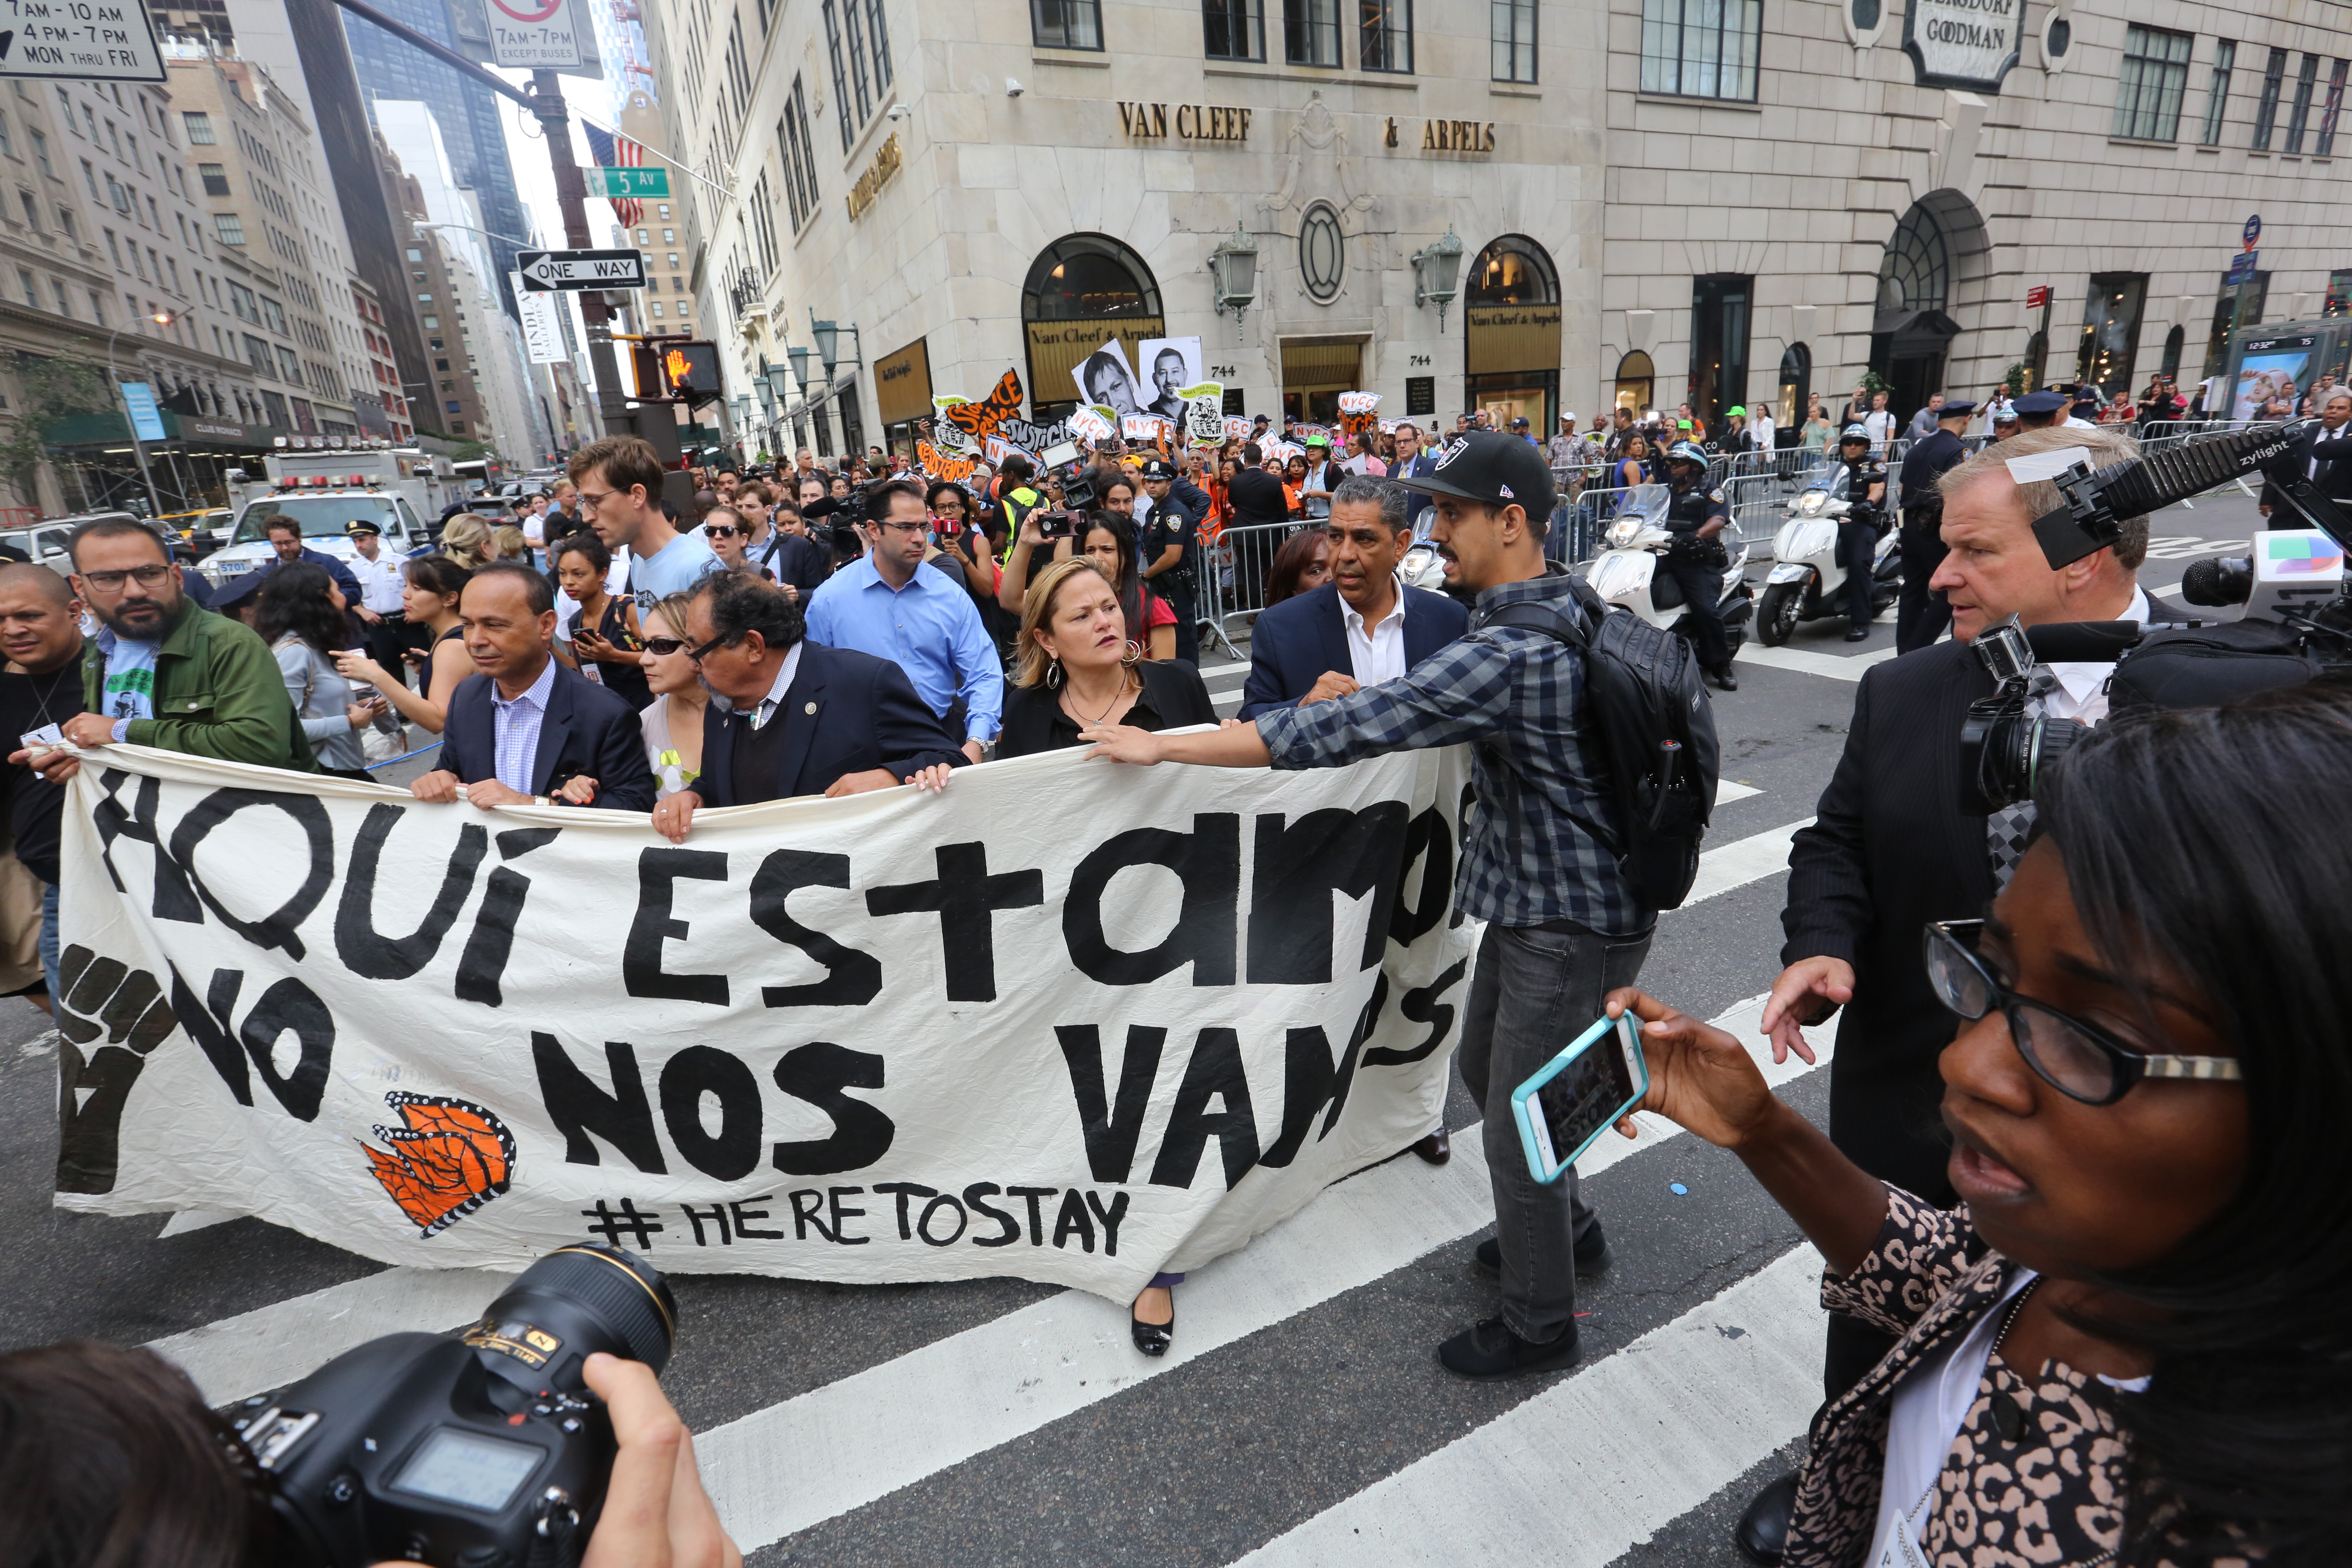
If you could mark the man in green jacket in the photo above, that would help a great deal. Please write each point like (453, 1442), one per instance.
(165, 671)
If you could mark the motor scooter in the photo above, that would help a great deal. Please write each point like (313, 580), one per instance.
(1807, 581)
(1626, 571)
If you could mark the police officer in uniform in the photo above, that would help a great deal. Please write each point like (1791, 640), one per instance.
(1862, 482)
(1170, 543)
(1921, 616)
(1696, 559)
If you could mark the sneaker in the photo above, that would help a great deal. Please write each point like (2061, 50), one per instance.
(1491, 1350)
(1592, 1254)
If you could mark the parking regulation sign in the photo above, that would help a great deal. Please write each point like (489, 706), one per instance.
(532, 34)
(548, 270)
(96, 41)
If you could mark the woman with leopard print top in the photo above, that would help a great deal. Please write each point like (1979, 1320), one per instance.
(2130, 1345)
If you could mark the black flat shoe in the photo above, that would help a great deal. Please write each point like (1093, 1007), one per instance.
(1851, 636)
(1153, 1339)
(1592, 1254)
(1492, 1349)
(1436, 1148)
(1725, 678)
(1762, 1533)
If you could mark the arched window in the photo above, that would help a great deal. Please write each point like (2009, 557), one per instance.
(1513, 271)
(1087, 277)
(1083, 288)
(1510, 324)
(1796, 386)
(1915, 272)
(1635, 376)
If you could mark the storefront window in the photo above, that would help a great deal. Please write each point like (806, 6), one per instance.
(1511, 329)
(1636, 378)
(1083, 288)
(2111, 318)
(1718, 361)
(1796, 386)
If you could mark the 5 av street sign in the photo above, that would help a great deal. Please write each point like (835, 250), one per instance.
(543, 270)
(625, 182)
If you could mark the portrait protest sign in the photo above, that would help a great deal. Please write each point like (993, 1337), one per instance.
(892, 1036)
(1204, 413)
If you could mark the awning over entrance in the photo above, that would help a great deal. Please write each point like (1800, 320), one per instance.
(110, 430)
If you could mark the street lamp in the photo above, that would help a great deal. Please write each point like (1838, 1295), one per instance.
(1435, 273)
(1232, 273)
(828, 344)
(165, 318)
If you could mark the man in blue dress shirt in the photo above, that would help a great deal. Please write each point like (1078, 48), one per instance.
(887, 604)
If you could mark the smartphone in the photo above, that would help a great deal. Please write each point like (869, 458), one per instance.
(1578, 1095)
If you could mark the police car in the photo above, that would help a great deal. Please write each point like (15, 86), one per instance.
(325, 505)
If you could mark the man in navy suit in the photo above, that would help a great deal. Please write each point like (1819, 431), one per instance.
(1359, 630)
(523, 729)
(799, 717)
(1361, 627)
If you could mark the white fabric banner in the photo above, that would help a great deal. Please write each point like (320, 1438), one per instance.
(1066, 1020)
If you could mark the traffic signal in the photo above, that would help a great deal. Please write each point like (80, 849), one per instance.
(690, 371)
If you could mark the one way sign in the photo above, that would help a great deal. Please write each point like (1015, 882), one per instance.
(544, 270)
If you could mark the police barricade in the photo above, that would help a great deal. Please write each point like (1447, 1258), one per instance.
(1233, 577)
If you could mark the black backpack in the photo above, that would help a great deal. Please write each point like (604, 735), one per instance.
(1656, 731)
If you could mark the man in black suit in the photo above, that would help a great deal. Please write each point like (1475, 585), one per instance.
(2329, 467)
(1255, 497)
(799, 717)
(524, 730)
(1920, 618)
(1361, 627)
(1889, 848)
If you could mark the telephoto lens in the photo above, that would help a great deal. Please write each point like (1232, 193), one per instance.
(483, 1449)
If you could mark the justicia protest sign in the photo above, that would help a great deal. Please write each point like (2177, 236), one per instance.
(1065, 1020)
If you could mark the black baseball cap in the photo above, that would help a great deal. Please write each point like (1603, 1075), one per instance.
(1494, 469)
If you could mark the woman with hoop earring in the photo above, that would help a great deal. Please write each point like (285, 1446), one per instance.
(1077, 667)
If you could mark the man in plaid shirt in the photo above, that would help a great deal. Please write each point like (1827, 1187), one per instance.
(1563, 929)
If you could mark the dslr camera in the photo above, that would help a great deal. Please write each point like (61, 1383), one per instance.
(483, 1449)
(1079, 495)
(2295, 623)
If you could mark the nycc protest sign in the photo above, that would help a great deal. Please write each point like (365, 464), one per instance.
(1065, 1020)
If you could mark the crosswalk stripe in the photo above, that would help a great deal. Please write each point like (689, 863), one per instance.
(1742, 861)
(1729, 790)
(849, 1443)
(1596, 1463)
(1836, 667)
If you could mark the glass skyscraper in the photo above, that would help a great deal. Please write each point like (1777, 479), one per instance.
(468, 113)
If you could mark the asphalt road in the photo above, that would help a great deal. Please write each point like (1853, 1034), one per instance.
(1299, 1420)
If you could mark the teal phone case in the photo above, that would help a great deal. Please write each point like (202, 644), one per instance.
(1535, 1137)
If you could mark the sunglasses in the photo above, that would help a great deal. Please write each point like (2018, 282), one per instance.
(718, 530)
(665, 646)
(2077, 1059)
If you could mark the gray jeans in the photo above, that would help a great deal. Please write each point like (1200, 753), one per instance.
(1537, 988)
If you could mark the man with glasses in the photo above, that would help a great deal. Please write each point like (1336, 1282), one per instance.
(885, 604)
(1890, 850)
(620, 481)
(523, 729)
(791, 717)
(165, 671)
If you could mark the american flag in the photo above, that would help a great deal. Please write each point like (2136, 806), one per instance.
(613, 152)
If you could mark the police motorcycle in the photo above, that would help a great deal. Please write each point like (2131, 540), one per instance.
(1806, 582)
(1626, 573)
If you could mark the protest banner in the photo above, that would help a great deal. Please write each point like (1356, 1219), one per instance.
(1204, 413)
(892, 1036)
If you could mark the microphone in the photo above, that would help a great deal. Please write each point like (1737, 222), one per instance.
(2219, 580)
(2082, 642)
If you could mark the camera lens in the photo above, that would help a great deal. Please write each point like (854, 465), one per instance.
(574, 1302)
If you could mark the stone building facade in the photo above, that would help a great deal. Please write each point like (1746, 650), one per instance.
(1654, 200)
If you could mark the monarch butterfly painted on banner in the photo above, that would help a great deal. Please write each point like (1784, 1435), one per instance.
(978, 419)
(450, 1159)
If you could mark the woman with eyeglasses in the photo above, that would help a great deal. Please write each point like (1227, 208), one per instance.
(601, 638)
(428, 598)
(672, 722)
(2130, 1344)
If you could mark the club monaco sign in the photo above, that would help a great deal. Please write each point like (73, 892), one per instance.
(1969, 44)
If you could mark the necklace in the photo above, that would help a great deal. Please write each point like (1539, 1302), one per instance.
(1070, 701)
(2009, 1410)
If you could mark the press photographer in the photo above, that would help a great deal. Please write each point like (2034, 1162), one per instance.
(1891, 847)
(538, 1435)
